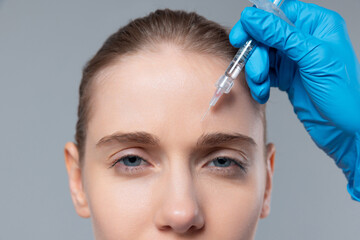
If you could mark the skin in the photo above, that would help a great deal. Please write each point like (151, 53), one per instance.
(179, 189)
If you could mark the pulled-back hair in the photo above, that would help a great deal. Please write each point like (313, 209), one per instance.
(188, 30)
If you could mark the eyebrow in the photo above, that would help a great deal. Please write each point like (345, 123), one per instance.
(205, 140)
(219, 138)
(131, 137)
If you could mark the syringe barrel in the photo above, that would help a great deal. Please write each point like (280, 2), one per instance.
(240, 59)
(225, 83)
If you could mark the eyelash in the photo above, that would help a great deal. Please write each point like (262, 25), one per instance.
(222, 170)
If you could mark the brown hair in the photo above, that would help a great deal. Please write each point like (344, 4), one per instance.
(189, 31)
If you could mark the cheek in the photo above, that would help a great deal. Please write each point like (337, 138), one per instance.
(118, 207)
(234, 208)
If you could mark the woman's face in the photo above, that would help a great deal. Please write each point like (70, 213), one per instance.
(153, 170)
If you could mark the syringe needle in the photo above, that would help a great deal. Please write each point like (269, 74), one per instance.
(205, 113)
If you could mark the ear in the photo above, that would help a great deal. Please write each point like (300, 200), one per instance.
(270, 159)
(75, 181)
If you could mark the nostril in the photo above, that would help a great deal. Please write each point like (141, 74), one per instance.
(165, 228)
(194, 228)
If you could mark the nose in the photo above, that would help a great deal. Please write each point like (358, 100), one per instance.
(179, 209)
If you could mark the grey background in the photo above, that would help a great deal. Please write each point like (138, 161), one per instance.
(43, 47)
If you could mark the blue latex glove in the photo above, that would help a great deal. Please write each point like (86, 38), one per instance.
(316, 65)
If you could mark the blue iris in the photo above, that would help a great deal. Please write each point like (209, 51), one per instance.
(222, 162)
(132, 160)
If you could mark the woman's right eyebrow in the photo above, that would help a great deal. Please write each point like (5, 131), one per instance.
(133, 137)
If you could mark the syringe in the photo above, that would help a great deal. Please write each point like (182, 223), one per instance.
(226, 81)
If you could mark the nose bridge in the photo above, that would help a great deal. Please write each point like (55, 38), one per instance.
(179, 176)
(179, 209)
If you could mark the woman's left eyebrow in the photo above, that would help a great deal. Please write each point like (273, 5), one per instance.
(220, 138)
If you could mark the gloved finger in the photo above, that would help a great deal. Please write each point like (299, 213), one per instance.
(257, 66)
(291, 9)
(309, 16)
(259, 91)
(257, 69)
(274, 32)
(238, 36)
(281, 71)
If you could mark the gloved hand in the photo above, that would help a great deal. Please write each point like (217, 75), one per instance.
(316, 65)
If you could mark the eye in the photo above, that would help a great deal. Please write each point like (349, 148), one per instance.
(130, 163)
(222, 162)
(228, 164)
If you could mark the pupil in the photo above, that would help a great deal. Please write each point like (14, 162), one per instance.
(222, 162)
(132, 161)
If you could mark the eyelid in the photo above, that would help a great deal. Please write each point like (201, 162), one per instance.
(137, 150)
(229, 152)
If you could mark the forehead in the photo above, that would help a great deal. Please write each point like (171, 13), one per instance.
(166, 93)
